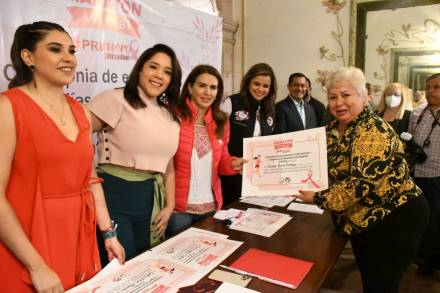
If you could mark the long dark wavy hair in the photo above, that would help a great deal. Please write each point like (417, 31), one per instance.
(171, 94)
(184, 111)
(267, 105)
(27, 36)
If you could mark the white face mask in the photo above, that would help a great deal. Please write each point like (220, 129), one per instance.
(393, 101)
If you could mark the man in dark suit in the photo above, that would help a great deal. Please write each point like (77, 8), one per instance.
(294, 112)
(320, 110)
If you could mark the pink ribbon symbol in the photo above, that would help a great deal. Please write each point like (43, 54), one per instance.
(309, 178)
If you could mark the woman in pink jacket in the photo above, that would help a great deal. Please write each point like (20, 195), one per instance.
(202, 153)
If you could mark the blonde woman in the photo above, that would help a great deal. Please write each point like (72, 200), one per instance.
(395, 107)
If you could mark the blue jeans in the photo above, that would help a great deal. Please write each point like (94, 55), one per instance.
(179, 221)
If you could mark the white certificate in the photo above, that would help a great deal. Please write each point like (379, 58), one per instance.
(151, 275)
(178, 262)
(282, 164)
(260, 222)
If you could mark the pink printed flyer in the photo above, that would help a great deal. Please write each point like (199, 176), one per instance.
(284, 163)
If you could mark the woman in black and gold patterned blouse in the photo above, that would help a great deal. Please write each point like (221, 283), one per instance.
(371, 195)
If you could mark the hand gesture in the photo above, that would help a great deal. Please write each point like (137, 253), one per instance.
(114, 249)
(237, 164)
(306, 196)
(45, 280)
(161, 221)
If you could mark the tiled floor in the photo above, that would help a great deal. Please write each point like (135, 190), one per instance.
(345, 278)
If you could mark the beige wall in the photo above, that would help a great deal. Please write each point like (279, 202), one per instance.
(287, 34)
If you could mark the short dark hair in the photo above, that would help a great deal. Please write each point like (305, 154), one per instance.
(27, 36)
(220, 118)
(434, 76)
(298, 75)
(131, 93)
(268, 103)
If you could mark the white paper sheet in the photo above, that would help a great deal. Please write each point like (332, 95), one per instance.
(268, 201)
(260, 222)
(180, 261)
(226, 287)
(284, 163)
(307, 208)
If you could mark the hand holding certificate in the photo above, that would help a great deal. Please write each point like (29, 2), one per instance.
(285, 163)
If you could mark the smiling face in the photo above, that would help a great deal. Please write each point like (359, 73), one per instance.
(298, 88)
(204, 91)
(259, 87)
(155, 76)
(344, 102)
(53, 59)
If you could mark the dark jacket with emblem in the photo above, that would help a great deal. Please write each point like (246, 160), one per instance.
(242, 124)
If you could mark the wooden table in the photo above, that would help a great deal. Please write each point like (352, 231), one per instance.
(306, 236)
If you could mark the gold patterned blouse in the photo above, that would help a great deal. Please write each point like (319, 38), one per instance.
(368, 174)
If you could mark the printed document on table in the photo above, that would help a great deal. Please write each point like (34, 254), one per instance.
(260, 222)
(307, 208)
(180, 261)
(268, 201)
(284, 163)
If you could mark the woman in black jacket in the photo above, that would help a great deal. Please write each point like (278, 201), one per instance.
(251, 113)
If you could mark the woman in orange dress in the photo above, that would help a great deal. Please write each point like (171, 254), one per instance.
(50, 201)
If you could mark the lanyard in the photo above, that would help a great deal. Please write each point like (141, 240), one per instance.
(427, 141)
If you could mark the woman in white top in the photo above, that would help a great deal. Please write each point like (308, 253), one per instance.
(203, 149)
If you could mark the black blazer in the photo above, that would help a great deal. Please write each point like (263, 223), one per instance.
(288, 119)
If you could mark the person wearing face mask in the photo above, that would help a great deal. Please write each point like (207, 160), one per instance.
(202, 153)
(251, 113)
(395, 107)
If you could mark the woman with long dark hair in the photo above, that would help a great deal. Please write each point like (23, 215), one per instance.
(251, 113)
(138, 135)
(202, 153)
(50, 201)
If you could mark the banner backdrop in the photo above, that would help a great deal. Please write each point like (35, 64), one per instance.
(111, 34)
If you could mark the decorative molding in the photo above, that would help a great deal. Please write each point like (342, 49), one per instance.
(333, 6)
(423, 35)
(229, 30)
(358, 18)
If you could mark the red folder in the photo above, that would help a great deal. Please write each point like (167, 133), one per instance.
(272, 267)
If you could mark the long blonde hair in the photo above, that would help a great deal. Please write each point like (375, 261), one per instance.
(405, 104)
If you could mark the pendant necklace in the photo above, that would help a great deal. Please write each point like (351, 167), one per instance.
(62, 122)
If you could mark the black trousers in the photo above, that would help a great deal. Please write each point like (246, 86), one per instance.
(430, 246)
(130, 204)
(384, 252)
(231, 188)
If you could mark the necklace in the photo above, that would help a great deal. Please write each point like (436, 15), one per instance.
(60, 117)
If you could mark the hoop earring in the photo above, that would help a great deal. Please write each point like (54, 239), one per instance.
(32, 68)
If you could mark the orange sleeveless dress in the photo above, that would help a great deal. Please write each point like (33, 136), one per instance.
(48, 190)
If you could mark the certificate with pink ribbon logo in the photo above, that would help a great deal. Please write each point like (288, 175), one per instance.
(282, 164)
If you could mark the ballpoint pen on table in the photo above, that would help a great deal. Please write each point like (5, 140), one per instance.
(276, 282)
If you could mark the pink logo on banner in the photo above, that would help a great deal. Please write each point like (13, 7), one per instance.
(83, 17)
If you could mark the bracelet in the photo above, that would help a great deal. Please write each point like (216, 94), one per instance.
(110, 232)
